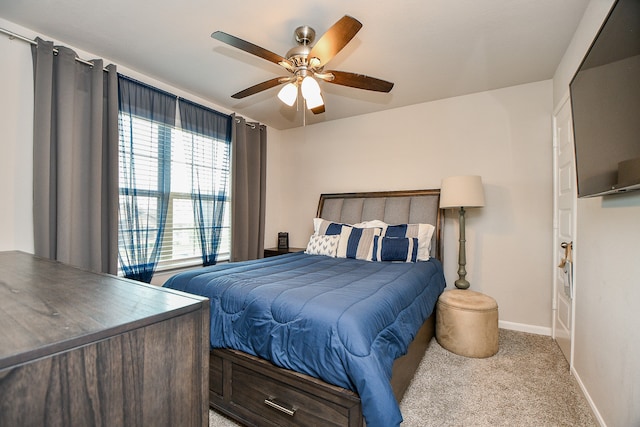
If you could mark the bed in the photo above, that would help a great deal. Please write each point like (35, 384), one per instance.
(311, 339)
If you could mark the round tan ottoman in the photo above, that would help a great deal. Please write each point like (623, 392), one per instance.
(467, 323)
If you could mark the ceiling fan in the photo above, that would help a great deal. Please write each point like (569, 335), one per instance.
(305, 63)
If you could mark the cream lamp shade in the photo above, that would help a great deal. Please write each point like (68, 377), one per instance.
(461, 191)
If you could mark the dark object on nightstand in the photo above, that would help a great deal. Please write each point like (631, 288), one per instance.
(275, 251)
(283, 241)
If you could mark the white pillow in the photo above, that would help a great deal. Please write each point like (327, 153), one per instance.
(375, 223)
(323, 245)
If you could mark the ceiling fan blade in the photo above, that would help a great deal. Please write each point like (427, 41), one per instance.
(251, 48)
(359, 81)
(335, 39)
(260, 87)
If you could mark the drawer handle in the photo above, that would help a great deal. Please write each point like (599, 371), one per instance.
(279, 406)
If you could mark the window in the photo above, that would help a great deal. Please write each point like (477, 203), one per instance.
(174, 183)
(199, 166)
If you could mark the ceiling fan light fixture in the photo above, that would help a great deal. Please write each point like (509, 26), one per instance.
(288, 94)
(314, 100)
(309, 87)
(305, 64)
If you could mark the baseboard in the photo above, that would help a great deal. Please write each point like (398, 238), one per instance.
(521, 327)
(595, 411)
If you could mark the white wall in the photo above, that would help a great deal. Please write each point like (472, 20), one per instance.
(502, 135)
(16, 140)
(607, 341)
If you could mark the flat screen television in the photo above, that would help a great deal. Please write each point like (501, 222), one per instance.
(605, 105)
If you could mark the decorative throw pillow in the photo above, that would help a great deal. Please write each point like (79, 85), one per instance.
(322, 227)
(423, 232)
(395, 249)
(356, 242)
(323, 245)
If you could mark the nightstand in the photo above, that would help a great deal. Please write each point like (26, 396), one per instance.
(275, 251)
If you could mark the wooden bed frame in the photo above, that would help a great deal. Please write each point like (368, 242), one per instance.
(255, 392)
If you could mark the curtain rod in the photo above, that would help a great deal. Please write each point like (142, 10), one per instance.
(250, 124)
(13, 35)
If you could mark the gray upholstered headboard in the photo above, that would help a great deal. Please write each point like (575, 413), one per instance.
(392, 207)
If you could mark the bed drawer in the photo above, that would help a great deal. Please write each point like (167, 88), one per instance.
(281, 403)
(215, 375)
(265, 395)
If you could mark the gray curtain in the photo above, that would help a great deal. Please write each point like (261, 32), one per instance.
(249, 157)
(75, 160)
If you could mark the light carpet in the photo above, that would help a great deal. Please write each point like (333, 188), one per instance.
(527, 383)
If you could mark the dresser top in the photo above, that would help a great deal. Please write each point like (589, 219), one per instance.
(47, 307)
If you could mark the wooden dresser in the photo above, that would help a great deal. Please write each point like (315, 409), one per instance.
(85, 349)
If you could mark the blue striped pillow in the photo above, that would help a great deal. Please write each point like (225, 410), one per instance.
(423, 232)
(356, 242)
(395, 249)
(322, 227)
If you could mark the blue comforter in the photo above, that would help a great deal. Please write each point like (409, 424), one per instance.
(341, 320)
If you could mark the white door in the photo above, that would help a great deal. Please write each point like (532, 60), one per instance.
(564, 224)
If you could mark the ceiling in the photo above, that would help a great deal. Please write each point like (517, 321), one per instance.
(430, 49)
